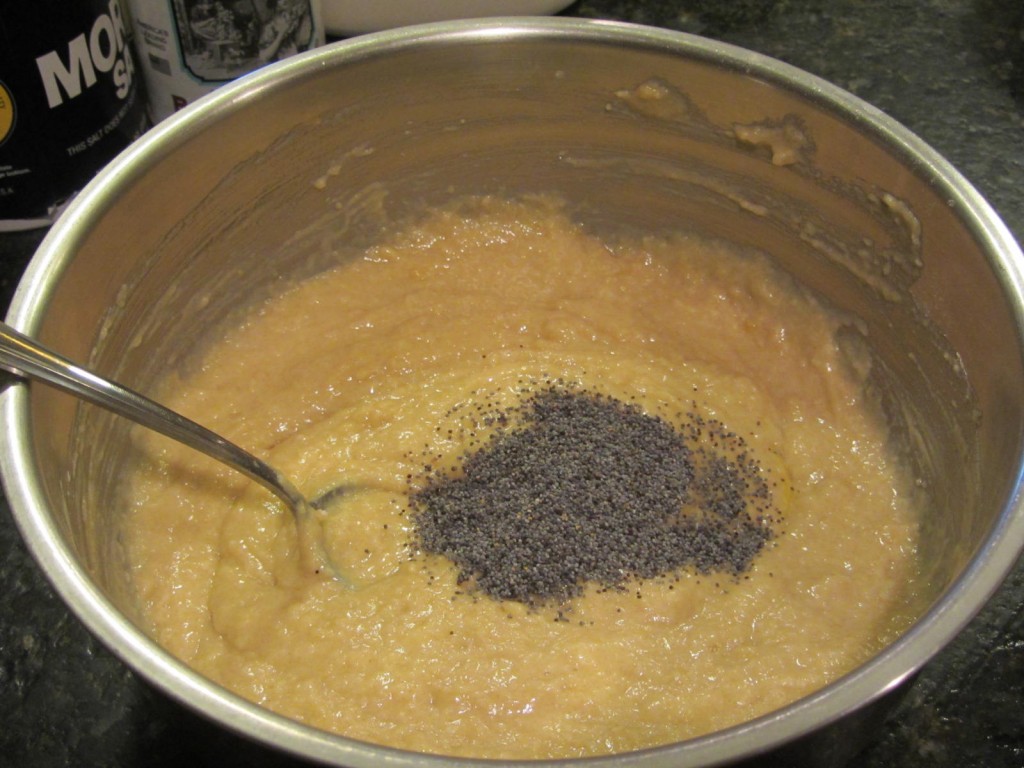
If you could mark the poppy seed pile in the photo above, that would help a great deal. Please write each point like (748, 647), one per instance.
(576, 488)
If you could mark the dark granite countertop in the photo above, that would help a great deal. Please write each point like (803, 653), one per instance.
(950, 70)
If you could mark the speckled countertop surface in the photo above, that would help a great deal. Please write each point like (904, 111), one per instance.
(950, 70)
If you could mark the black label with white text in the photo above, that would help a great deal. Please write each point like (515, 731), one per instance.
(70, 101)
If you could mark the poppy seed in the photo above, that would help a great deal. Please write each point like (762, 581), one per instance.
(575, 487)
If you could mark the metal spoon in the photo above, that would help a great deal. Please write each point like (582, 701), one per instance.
(28, 358)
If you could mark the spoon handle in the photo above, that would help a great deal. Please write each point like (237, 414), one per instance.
(27, 358)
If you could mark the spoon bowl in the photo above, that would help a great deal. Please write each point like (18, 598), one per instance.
(23, 356)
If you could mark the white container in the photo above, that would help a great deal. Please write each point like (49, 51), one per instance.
(187, 48)
(345, 18)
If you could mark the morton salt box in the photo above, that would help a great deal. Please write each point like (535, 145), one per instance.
(70, 100)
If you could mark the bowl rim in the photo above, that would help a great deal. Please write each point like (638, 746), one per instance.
(869, 682)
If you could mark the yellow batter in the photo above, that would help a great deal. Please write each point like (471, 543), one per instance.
(356, 376)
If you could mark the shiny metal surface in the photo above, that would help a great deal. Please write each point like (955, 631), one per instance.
(25, 357)
(298, 166)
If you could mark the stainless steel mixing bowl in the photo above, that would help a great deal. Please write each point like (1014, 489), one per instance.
(300, 164)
